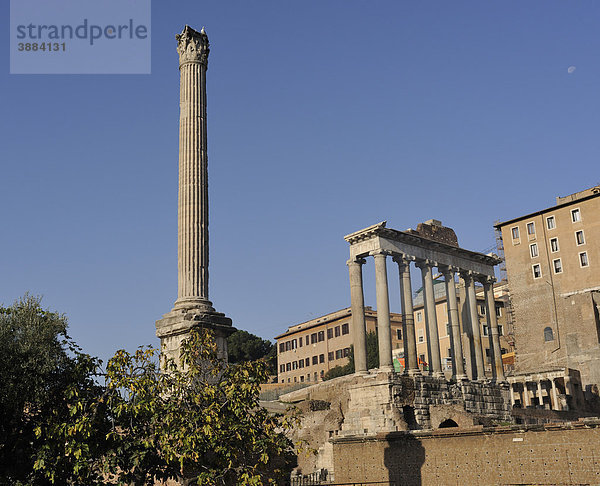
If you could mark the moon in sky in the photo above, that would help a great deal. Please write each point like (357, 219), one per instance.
(571, 69)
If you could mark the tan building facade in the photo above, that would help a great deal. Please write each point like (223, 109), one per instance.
(553, 265)
(306, 351)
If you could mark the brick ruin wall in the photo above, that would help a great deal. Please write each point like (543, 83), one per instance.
(382, 403)
(551, 454)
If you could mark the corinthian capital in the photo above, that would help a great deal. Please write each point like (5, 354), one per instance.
(192, 46)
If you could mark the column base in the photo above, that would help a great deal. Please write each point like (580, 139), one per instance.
(416, 372)
(439, 375)
(193, 303)
(175, 327)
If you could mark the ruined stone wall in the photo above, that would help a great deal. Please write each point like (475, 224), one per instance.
(553, 454)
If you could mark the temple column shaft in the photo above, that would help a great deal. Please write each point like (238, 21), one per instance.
(433, 340)
(458, 367)
(358, 315)
(540, 393)
(555, 404)
(475, 328)
(526, 397)
(408, 319)
(383, 312)
(494, 337)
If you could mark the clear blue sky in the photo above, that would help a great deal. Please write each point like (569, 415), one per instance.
(324, 118)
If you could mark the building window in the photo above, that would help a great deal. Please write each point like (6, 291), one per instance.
(485, 331)
(282, 368)
(346, 352)
(548, 334)
(575, 215)
(313, 338)
(448, 330)
(422, 359)
(550, 222)
(531, 228)
(500, 330)
(533, 250)
(399, 334)
(321, 336)
(557, 264)
(579, 237)
(420, 335)
(337, 331)
(321, 358)
(338, 354)
(345, 329)
(301, 363)
(302, 379)
(498, 311)
(419, 316)
(288, 367)
(330, 333)
(287, 345)
(554, 245)
(583, 259)
(482, 309)
(294, 343)
(300, 341)
(315, 376)
(537, 271)
(307, 362)
(515, 233)
(315, 360)
(281, 347)
(330, 356)
(294, 365)
(308, 377)
(307, 337)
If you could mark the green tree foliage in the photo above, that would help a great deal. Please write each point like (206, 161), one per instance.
(348, 368)
(44, 377)
(244, 346)
(199, 422)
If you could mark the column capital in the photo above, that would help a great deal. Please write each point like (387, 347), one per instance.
(448, 269)
(466, 275)
(192, 46)
(356, 261)
(379, 252)
(425, 262)
(486, 280)
(403, 260)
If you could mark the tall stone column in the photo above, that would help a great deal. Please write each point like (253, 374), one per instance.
(492, 323)
(192, 307)
(384, 332)
(358, 315)
(411, 364)
(475, 326)
(458, 367)
(431, 324)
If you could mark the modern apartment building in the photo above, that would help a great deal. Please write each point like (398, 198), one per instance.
(306, 351)
(553, 265)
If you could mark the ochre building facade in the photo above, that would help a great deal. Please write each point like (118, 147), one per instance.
(553, 265)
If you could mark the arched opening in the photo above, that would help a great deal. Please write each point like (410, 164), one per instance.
(548, 334)
(448, 423)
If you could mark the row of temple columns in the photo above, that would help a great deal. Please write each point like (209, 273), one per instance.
(473, 367)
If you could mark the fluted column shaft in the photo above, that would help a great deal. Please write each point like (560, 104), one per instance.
(192, 247)
(383, 312)
(458, 367)
(540, 394)
(411, 364)
(494, 336)
(431, 325)
(475, 327)
(358, 315)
